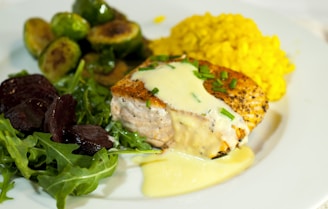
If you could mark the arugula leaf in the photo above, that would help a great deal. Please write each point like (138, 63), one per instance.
(7, 183)
(61, 154)
(7, 171)
(75, 180)
(16, 147)
(127, 139)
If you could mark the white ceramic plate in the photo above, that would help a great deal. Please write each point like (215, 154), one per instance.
(291, 169)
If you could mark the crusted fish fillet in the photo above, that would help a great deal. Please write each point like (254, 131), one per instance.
(159, 121)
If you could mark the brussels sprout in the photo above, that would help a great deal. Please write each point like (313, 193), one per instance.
(37, 35)
(59, 57)
(120, 69)
(101, 63)
(94, 11)
(123, 35)
(69, 24)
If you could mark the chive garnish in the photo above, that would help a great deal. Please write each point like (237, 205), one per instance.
(152, 66)
(227, 113)
(203, 76)
(203, 73)
(148, 103)
(195, 97)
(195, 63)
(219, 89)
(204, 69)
(154, 91)
(217, 83)
(233, 83)
(224, 75)
(171, 66)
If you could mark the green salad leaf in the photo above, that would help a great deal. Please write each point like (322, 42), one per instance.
(17, 148)
(126, 138)
(59, 154)
(93, 99)
(75, 180)
(7, 184)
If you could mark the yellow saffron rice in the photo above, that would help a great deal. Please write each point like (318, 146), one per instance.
(233, 41)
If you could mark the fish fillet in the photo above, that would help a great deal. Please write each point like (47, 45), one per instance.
(165, 126)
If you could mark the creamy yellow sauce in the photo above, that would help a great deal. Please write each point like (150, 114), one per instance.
(174, 173)
(200, 128)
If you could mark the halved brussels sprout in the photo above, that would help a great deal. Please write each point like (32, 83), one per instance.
(37, 35)
(69, 24)
(122, 35)
(120, 69)
(94, 11)
(59, 57)
(102, 63)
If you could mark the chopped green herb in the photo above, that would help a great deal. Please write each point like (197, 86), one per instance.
(217, 83)
(227, 113)
(204, 73)
(197, 74)
(195, 97)
(233, 83)
(152, 66)
(203, 76)
(219, 89)
(224, 75)
(148, 103)
(154, 91)
(171, 66)
(204, 69)
(195, 63)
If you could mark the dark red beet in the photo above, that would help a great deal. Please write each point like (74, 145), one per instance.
(13, 91)
(59, 116)
(91, 138)
(28, 116)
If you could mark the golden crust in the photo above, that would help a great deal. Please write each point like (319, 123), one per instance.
(247, 98)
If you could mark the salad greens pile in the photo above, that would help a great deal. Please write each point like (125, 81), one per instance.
(52, 165)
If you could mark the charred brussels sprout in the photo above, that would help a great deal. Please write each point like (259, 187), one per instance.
(37, 35)
(120, 69)
(69, 24)
(122, 35)
(102, 63)
(59, 57)
(94, 11)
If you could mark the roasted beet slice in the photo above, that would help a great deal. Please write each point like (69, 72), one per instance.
(91, 138)
(15, 90)
(59, 116)
(28, 116)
